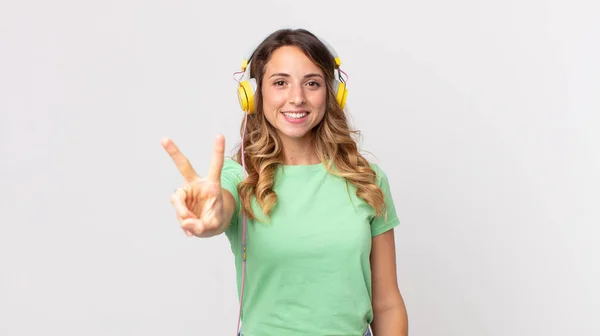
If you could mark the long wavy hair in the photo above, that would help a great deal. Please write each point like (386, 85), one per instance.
(332, 137)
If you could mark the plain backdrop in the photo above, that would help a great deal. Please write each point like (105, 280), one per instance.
(484, 115)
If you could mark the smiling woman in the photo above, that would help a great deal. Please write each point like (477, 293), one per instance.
(318, 217)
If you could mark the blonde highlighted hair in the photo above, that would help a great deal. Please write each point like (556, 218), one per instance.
(333, 141)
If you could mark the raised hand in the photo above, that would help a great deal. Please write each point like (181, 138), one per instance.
(199, 202)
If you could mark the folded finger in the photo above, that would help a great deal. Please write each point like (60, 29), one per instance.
(178, 201)
(193, 225)
(187, 232)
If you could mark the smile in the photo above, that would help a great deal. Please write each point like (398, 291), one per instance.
(295, 115)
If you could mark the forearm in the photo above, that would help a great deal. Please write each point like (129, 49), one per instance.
(392, 321)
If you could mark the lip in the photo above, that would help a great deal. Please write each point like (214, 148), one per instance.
(296, 111)
(296, 121)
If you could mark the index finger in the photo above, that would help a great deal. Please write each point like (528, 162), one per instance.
(183, 164)
(216, 163)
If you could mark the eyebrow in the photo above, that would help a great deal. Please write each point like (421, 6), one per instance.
(282, 74)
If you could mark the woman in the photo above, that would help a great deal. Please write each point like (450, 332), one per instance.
(320, 217)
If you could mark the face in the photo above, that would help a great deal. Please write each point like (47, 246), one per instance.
(294, 93)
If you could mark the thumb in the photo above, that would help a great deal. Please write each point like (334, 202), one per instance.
(193, 225)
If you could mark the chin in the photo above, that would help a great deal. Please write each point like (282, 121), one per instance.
(294, 135)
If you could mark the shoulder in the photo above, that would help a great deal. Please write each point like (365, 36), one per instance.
(379, 172)
(232, 171)
(231, 163)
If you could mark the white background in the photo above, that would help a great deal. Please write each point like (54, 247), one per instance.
(484, 115)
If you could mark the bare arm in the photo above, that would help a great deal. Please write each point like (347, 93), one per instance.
(389, 312)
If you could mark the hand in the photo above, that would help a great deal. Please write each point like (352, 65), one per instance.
(199, 202)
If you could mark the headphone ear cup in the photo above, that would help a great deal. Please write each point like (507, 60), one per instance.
(341, 92)
(343, 101)
(246, 93)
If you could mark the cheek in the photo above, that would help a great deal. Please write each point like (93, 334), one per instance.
(272, 102)
(319, 101)
(319, 107)
(272, 99)
(323, 100)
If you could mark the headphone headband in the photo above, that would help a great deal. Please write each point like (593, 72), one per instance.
(336, 59)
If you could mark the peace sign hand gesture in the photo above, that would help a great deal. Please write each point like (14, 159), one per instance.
(199, 202)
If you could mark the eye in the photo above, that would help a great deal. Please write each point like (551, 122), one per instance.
(314, 83)
(279, 83)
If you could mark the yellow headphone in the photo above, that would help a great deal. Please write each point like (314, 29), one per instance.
(247, 87)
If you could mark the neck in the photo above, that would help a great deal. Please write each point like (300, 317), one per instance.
(299, 151)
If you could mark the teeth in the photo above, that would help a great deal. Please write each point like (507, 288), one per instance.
(296, 115)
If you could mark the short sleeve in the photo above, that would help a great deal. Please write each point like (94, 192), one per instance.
(231, 175)
(379, 224)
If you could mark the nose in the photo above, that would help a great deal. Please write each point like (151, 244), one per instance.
(296, 96)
